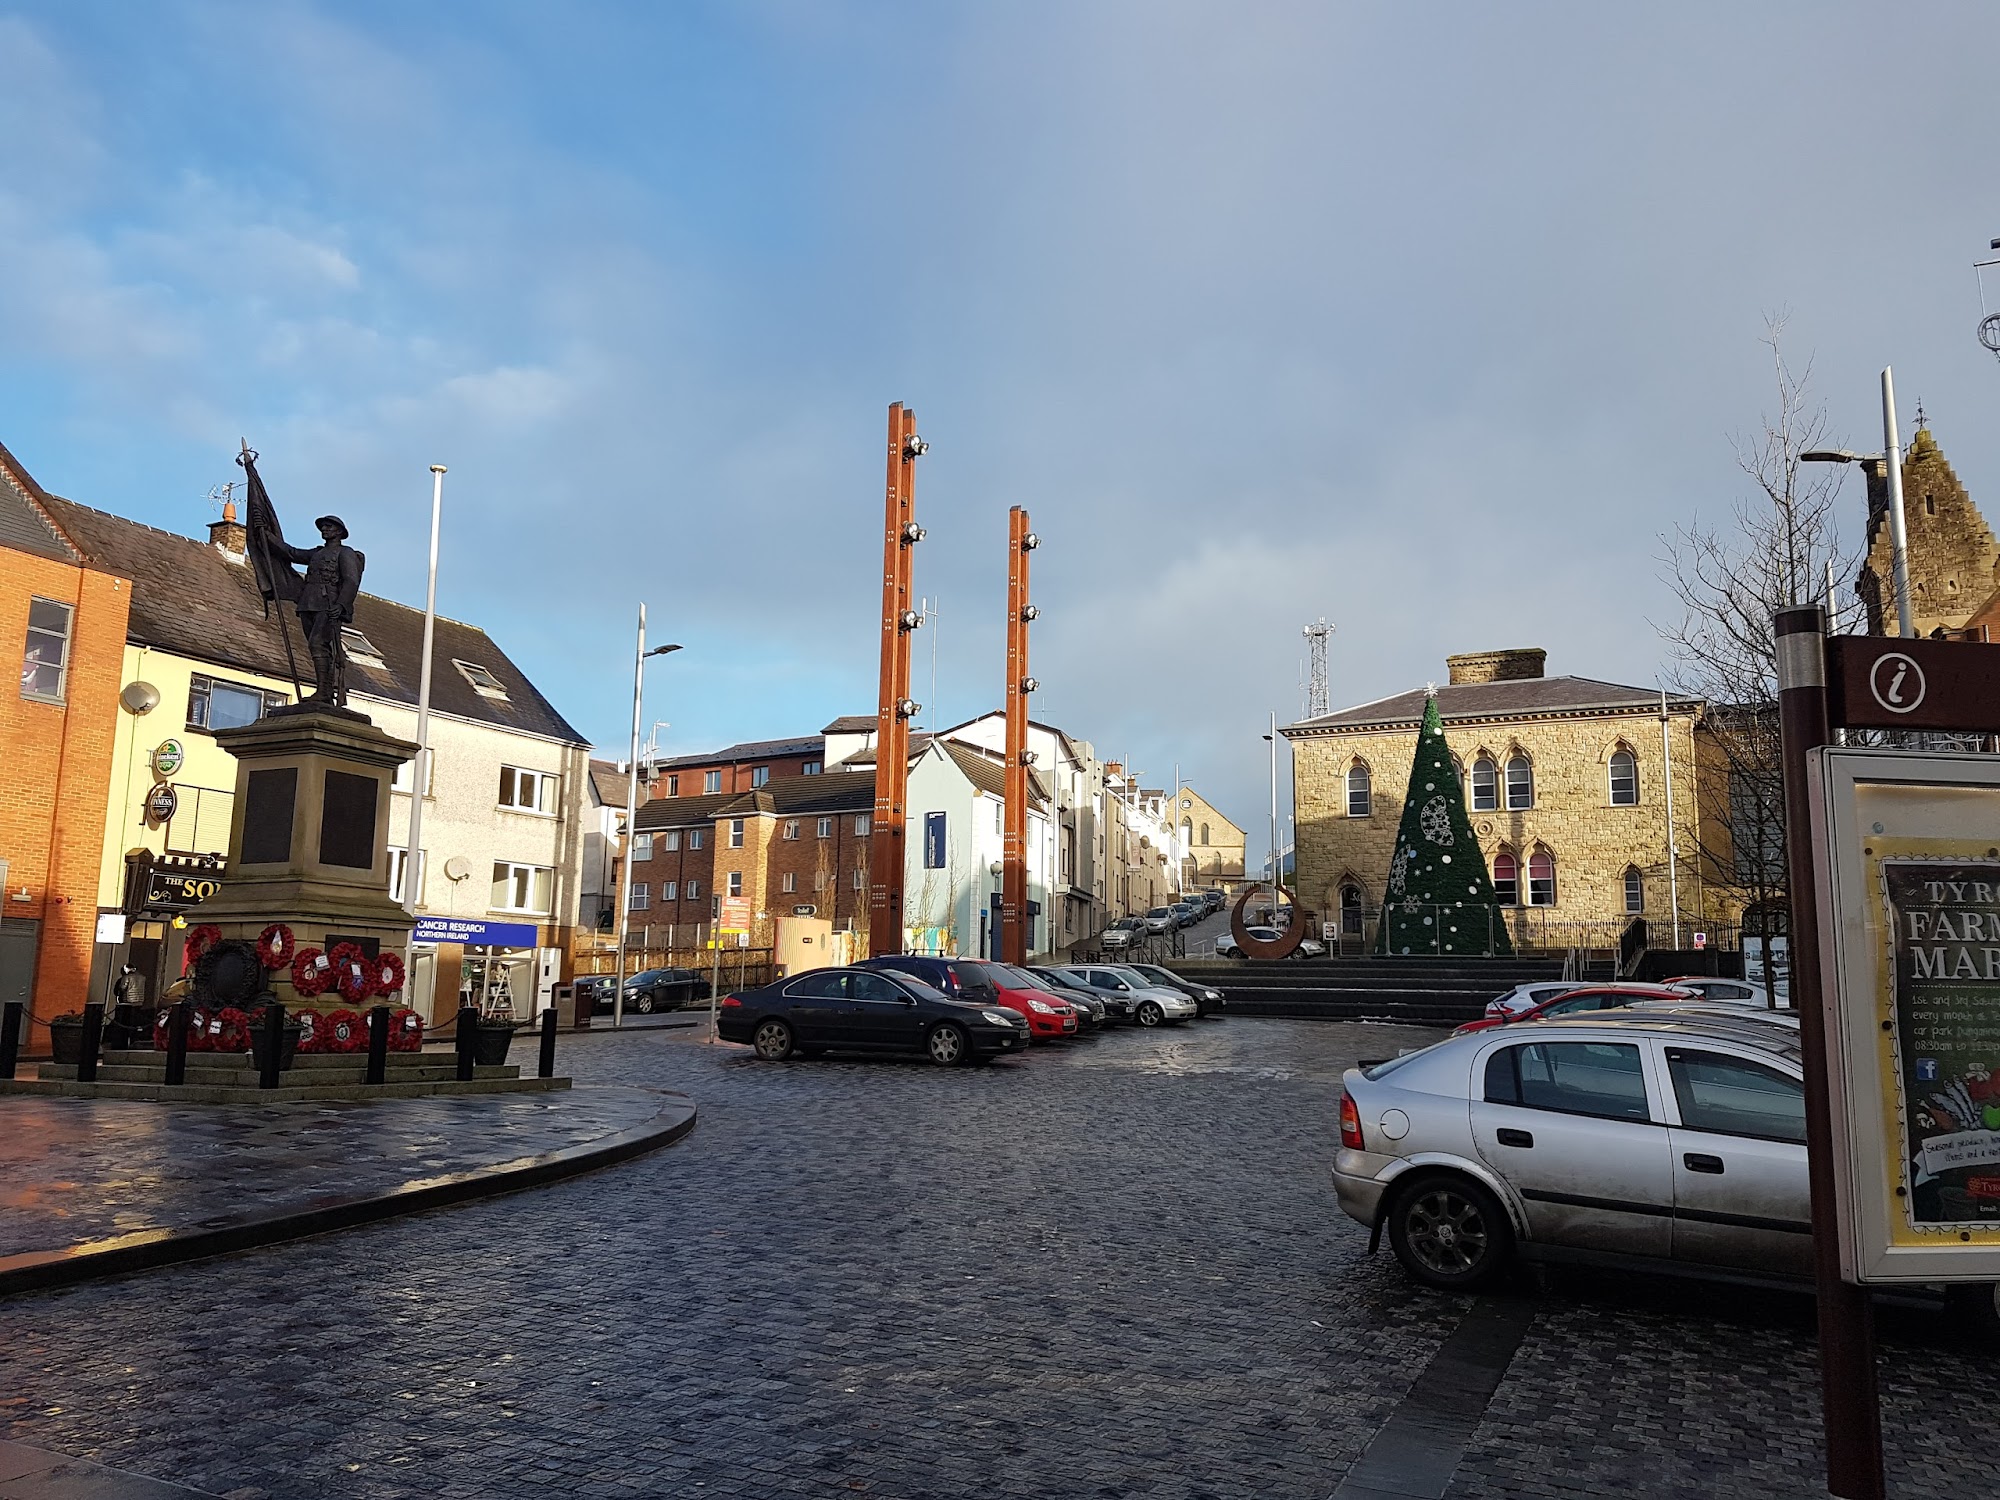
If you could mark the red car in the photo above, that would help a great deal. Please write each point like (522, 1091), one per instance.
(1597, 997)
(1048, 1015)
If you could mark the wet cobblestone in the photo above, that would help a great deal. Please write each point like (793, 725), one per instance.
(1115, 1270)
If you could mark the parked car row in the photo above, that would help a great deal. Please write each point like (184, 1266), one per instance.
(645, 992)
(955, 1010)
(1664, 1134)
(1541, 997)
(1185, 912)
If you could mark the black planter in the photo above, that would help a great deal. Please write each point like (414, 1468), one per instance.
(66, 1041)
(260, 1044)
(490, 1043)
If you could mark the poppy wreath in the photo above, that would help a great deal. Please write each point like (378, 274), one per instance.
(387, 974)
(199, 1039)
(353, 974)
(312, 972)
(406, 1030)
(313, 1038)
(229, 1030)
(199, 940)
(276, 947)
(342, 1031)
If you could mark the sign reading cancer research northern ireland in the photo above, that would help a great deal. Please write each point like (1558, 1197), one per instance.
(1911, 918)
(474, 934)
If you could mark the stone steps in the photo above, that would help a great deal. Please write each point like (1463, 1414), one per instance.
(1415, 990)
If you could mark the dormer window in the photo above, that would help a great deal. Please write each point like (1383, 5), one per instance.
(483, 682)
(354, 643)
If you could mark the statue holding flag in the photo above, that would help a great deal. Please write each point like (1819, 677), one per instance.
(323, 597)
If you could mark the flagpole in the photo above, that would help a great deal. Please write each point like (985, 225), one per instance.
(413, 855)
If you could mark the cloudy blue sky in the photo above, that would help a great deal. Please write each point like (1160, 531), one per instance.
(1428, 319)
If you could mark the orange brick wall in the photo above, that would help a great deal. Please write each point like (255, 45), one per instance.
(55, 774)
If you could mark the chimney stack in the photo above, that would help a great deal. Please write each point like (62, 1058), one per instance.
(1513, 665)
(229, 534)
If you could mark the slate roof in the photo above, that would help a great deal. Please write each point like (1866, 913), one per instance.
(782, 796)
(610, 781)
(24, 520)
(852, 724)
(989, 775)
(1519, 698)
(188, 598)
(681, 812)
(809, 745)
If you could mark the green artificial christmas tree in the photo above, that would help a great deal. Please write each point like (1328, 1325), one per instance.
(1440, 897)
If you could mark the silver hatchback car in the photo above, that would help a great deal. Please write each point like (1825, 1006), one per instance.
(1671, 1141)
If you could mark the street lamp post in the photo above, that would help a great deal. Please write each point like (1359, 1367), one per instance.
(631, 818)
(413, 855)
(1891, 459)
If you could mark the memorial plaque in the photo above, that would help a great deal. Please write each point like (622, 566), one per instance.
(268, 803)
(347, 820)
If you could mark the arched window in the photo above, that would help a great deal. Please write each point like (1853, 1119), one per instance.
(1541, 878)
(1187, 832)
(1358, 799)
(1485, 785)
(1635, 890)
(1204, 835)
(1624, 778)
(1506, 879)
(1350, 911)
(1520, 783)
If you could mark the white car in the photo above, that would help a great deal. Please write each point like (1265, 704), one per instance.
(1152, 1004)
(1525, 997)
(1225, 945)
(1730, 991)
(1667, 1142)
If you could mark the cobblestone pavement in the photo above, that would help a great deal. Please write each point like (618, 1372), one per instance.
(84, 1169)
(1109, 1270)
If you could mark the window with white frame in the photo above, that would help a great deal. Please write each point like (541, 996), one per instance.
(45, 667)
(711, 781)
(642, 848)
(1506, 878)
(819, 880)
(671, 839)
(810, 768)
(760, 776)
(641, 901)
(791, 828)
(669, 891)
(527, 791)
(1541, 878)
(736, 833)
(861, 880)
(1635, 890)
(406, 775)
(522, 888)
(789, 883)
(1520, 783)
(826, 828)
(999, 816)
(399, 861)
(214, 704)
(1624, 778)
(695, 837)
(735, 882)
(673, 785)
(693, 892)
(1485, 785)
(1360, 801)
(861, 823)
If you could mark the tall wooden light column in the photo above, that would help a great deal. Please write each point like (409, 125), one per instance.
(1014, 834)
(900, 535)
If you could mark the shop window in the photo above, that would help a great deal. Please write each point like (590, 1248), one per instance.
(215, 704)
(1506, 879)
(1485, 785)
(736, 833)
(711, 781)
(1359, 791)
(789, 883)
(641, 901)
(1624, 778)
(1635, 890)
(1520, 783)
(642, 848)
(45, 667)
(760, 776)
(735, 882)
(522, 888)
(527, 791)
(791, 828)
(825, 828)
(1541, 878)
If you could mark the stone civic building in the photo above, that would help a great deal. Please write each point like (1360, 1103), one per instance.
(1565, 781)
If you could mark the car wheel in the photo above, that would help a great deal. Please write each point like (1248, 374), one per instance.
(1449, 1232)
(1150, 1014)
(947, 1046)
(773, 1041)
(1977, 1308)
(642, 1002)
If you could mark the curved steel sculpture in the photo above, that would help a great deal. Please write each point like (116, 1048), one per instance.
(1287, 943)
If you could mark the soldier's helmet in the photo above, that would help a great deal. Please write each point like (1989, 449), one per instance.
(335, 522)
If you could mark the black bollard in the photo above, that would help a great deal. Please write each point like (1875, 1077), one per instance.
(10, 1037)
(468, 1042)
(179, 1019)
(378, 1045)
(548, 1043)
(274, 1045)
(93, 1037)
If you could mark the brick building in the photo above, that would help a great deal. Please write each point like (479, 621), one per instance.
(738, 768)
(1565, 781)
(55, 777)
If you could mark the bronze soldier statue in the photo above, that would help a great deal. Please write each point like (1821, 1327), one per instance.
(323, 598)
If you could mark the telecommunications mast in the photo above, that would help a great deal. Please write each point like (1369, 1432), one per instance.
(1316, 699)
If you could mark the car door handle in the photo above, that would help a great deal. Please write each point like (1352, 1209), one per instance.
(1697, 1161)
(1508, 1137)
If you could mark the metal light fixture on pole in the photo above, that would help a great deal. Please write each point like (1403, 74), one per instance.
(1272, 738)
(1891, 459)
(420, 773)
(631, 817)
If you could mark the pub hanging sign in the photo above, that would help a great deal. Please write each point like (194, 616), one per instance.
(170, 884)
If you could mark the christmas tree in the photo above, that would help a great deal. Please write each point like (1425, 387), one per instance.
(1440, 897)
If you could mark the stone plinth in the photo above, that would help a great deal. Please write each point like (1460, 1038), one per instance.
(308, 839)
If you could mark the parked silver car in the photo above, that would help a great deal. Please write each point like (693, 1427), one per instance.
(1124, 932)
(1152, 1005)
(1671, 1138)
(1160, 919)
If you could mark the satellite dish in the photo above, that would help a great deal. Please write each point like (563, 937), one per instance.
(139, 697)
(457, 867)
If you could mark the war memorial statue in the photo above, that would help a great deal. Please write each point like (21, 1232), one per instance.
(323, 597)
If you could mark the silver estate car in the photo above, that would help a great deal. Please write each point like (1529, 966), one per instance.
(1673, 1141)
(1152, 1004)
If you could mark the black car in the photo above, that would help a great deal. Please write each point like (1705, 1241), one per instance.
(866, 1010)
(957, 978)
(1116, 1007)
(663, 989)
(1206, 997)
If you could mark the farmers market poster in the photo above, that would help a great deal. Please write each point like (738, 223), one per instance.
(1945, 1008)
